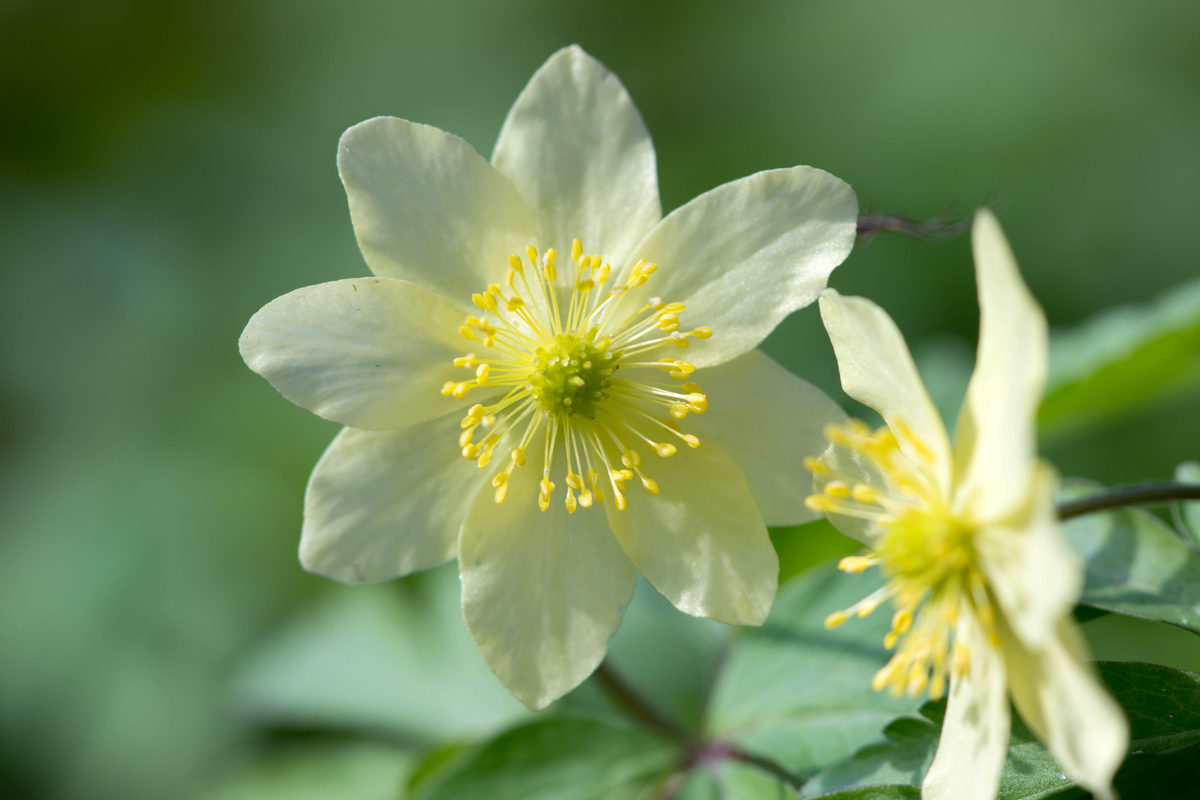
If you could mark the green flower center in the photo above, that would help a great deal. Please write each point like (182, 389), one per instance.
(574, 374)
(927, 546)
(552, 346)
(927, 552)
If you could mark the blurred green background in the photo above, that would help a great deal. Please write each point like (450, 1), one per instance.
(167, 168)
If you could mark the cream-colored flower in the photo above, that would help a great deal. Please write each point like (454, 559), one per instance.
(981, 579)
(537, 315)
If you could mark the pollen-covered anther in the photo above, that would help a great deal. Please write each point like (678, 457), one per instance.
(864, 494)
(819, 503)
(837, 489)
(836, 618)
(500, 482)
(545, 489)
(663, 449)
(456, 390)
(681, 370)
(816, 466)
(856, 564)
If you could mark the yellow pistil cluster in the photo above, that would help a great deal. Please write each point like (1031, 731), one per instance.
(567, 359)
(926, 551)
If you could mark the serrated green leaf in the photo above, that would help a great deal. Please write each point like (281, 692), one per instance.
(563, 759)
(1121, 359)
(1163, 705)
(1135, 564)
(900, 759)
(800, 694)
(1189, 513)
(1030, 773)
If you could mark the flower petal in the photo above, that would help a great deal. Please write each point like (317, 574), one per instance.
(877, 370)
(768, 421)
(383, 504)
(578, 151)
(974, 740)
(1060, 698)
(1033, 572)
(428, 208)
(542, 590)
(366, 352)
(996, 439)
(701, 541)
(746, 254)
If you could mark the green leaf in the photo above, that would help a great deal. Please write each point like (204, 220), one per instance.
(1135, 564)
(345, 770)
(802, 547)
(800, 694)
(1188, 517)
(1121, 359)
(435, 764)
(563, 759)
(875, 793)
(393, 658)
(1163, 706)
(901, 758)
(726, 779)
(1029, 771)
(746, 782)
(666, 656)
(1121, 637)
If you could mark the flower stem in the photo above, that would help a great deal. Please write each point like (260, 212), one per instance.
(1137, 494)
(637, 707)
(935, 230)
(699, 753)
(767, 765)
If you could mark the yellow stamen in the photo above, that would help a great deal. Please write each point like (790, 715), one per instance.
(549, 368)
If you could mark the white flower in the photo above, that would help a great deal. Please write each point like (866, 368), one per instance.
(591, 452)
(981, 579)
